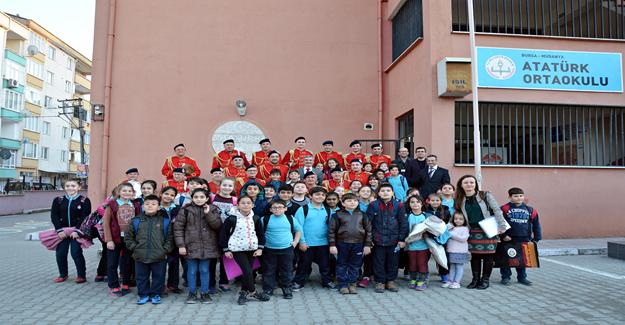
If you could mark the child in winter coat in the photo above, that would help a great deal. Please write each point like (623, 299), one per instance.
(457, 249)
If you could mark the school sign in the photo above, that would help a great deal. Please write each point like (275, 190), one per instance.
(549, 70)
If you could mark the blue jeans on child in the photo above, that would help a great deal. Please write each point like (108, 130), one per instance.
(147, 287)
(348, 263)
(456, 270)
(506, 273)
(76, 251)
(193, 266)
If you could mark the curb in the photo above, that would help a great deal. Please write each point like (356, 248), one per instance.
(572, 251)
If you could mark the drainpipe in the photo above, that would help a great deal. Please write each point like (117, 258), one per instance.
(380, 73)
(110, 38)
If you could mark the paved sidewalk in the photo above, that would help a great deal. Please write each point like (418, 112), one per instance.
(581, 246)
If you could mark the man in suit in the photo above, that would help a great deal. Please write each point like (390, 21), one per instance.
(308, 167)
(432, 177)
(415, 166)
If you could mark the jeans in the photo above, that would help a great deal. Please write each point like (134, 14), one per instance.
(280, 262)
(118, 257)
(319, 255)
(245, 260)
(456, 270)
(193, 266)
(506, 273)
(348, 263)
(145, 287)
(173, 269)
(385, 263)
(76, 251)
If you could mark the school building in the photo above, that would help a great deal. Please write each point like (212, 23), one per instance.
(552, 107)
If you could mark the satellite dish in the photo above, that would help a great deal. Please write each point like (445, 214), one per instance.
(5, 154)
(32, 50)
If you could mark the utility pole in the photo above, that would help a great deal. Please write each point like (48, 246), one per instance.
(76, 111)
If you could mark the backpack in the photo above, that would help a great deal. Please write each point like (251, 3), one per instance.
(233, 222)
(305, 208)
(268, 217)
(136, 220)
(88, 226)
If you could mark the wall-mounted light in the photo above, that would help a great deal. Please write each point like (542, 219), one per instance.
(98, 112)
(241, 107)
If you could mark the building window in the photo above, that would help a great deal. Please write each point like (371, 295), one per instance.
(14, 71)
(11, 162)
(33, 96)
(44, 153)
(45, 128)
(63, 155)
(407, 26)
(87, 138)
(38, 41)
(48, 102)
(31, 123)
(65, 132)
(542, 134)
(51, 53)
(70, 63)
(34, 68)
(29, 150)
(69, 87)
(50, 77)
(13, 100)
(405, 130)
(567, 18)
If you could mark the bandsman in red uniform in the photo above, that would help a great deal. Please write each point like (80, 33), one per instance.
(224, 158)
(273, 162)
(261, 157)
(237, 169)
(294, 157)
(376, 157)
(251, 173)
(180, 160)
(327, 153)
(336, 181)
(178, 181)
(357, 173)
(355, 154)
(217, 175)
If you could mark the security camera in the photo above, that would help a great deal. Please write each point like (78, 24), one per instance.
(367, 126)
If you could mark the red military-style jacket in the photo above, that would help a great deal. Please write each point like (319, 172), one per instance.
(330, 185)
(323, 157)
(264, 171)
(234, 172)
(181, 187)
(261, 157)
(294, 158)
(224, 158)
(240, 181)
(173, 162)
(363, 177)
(377, 160)
(350, 156)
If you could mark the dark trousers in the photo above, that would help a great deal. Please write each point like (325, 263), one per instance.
(145, 287)
(101, 271)
(418, 261)
(348, 263)
(476, 264)
(277, 262)
(118, 258)
(173, 270)
(245, 260)
(367, 267)
(61, 257)
(385, 263)
(521, 274)
(223, 279)
(319, 255)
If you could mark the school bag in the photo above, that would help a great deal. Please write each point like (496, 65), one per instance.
(136, 220)
(305, 207)
(266, 222)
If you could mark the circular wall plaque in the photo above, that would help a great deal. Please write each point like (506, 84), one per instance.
(245, 135)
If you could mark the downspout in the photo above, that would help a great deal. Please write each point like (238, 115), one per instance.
(380, 73)
(110, 38)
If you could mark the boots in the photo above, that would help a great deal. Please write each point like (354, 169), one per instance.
(484, 283)
(476, 279)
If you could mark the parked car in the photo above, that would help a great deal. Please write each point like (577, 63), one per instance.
(16, 187)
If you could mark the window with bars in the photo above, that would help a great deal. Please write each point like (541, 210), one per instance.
(567, 18)
(542, 134)
(407, 26)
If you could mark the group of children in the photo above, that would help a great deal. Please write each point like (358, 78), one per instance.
(276, 231)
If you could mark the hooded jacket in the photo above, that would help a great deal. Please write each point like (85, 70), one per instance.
(198, 231)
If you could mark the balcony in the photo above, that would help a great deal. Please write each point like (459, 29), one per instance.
(83, 85)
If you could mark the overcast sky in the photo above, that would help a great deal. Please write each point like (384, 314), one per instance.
(70, 20)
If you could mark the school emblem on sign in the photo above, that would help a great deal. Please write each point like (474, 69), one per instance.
(500, 67)
(245, 135)
(512, 252)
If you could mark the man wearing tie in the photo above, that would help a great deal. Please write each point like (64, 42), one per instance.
(432, 177)
(309, 168)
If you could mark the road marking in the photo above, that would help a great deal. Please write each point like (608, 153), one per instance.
(606, 274)
(24, 225)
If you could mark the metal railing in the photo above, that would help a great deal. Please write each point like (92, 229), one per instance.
(567, 18)
(542, 134)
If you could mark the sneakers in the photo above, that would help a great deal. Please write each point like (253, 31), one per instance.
(242, 298)
(185, 283)
(413, 284)
(156, 299)
(224, 288)
(99, 278)
(212, 291)
(330, 285)
(446, 284)
(364, 283)
(379, 287)
(80, 279)
(505, 281)
(191, 298)
(205, 298)
(391, 286)
(287, 293)
(259, 296)
(344, 291)
(60, 279)
(525, 282)
(352, 288)
(115, 292)
(143, 300)
(125, 289)
(454, 285)
(270, 292)
(421, 285)
(296, 286)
